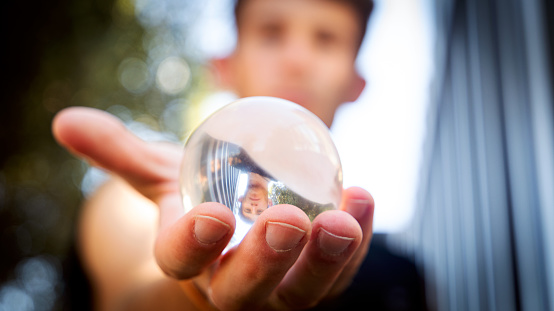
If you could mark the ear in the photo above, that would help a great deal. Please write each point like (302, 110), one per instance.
(356, 87)
(222, 70)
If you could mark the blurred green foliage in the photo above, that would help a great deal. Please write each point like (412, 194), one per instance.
(280, 194)
(63, 53)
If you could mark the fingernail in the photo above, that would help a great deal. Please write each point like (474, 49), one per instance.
(332, 244)
(357, 208)
(282, 237)
(209, 230)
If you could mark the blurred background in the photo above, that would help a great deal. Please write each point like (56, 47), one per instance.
(454, 136)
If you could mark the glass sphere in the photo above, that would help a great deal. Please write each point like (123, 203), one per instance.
(257, 153)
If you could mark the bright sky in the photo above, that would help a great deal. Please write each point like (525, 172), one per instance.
(380, 136)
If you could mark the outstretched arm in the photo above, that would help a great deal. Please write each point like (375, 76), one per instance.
(284, 262)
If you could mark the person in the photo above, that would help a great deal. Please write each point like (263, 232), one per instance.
(255, 200)
(139, 248)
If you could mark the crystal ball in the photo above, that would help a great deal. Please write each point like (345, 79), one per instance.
(259, 152)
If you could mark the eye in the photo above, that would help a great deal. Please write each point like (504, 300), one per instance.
(248, 210)
(271, 32)
(325, 38)
(259, 212)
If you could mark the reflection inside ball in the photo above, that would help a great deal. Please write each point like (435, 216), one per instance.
(257, 153)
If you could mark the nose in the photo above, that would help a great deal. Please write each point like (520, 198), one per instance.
(297, 54)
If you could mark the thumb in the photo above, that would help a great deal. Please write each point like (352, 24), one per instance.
(103, 140)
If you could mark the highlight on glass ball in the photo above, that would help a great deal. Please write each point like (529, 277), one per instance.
(257, 153)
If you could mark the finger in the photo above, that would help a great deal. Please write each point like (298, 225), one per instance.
(336, 236)
(188, 245)
(103, 139)
(360, 204)
(246, 278)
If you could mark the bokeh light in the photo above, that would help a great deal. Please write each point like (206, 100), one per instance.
(36, 287)
(134, 75)
(173, 75)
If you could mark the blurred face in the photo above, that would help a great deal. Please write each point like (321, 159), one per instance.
(255, 200)
(300, 50)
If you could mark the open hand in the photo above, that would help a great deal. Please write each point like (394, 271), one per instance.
(284, 262)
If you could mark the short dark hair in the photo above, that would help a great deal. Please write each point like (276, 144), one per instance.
(363, 9)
